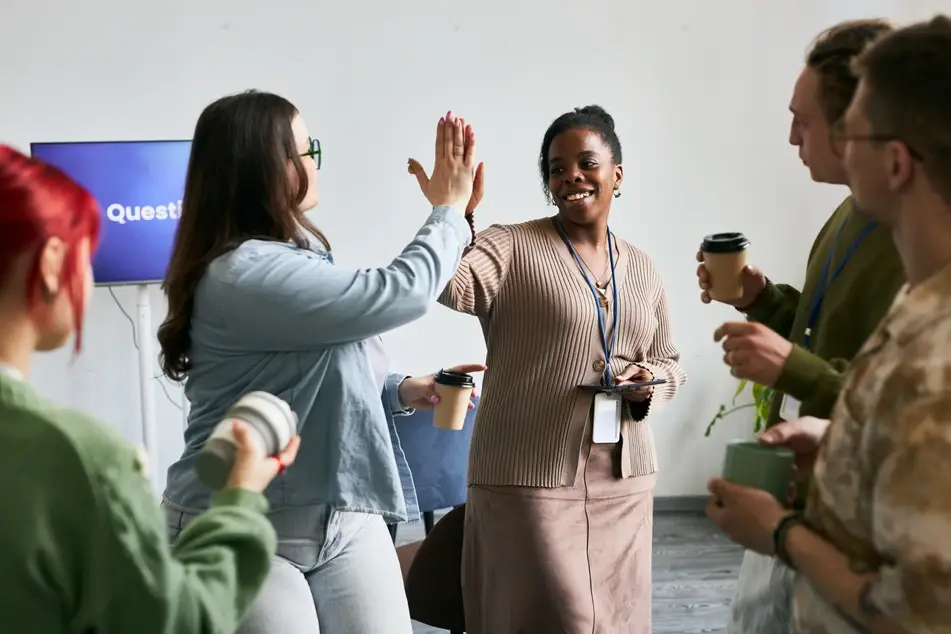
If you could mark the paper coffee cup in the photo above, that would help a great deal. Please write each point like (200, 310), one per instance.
(454, 390)
(724, 255)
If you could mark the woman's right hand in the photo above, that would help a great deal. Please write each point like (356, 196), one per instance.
(802, 435)
(415, 168)
(253, 470)
(454, 168)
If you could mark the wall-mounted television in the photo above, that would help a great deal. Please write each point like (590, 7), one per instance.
(139, 186)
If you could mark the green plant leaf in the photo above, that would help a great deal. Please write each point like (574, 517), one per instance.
(758, 391)
(716, 417)
(762, 404)
(722, 413)
(763, 398)
(740, 386)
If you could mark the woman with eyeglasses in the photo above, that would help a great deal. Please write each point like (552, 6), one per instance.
(83, 547)
(255, 302)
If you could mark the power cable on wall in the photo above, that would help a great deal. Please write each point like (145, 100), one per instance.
(135, 342)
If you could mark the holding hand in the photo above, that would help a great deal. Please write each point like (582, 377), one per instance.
(253, 470)
(748, 516)
(454, 169)
(802, 436)
(753, 351)
(419, 392)
(754, 283)
(635, 374)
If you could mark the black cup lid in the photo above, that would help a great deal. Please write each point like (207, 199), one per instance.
(456, 379)
(724, 243)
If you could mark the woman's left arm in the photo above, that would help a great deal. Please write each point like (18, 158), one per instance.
(406, 394)
(391, 391)
(662, 361)
(911, 512)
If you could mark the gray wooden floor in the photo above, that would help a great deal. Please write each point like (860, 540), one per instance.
(695, 570)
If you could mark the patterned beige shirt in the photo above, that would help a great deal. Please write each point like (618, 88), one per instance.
(882, 492)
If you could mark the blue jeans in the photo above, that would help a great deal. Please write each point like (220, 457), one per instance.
(335, 572)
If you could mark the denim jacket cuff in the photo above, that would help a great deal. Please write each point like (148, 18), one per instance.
(393, 381)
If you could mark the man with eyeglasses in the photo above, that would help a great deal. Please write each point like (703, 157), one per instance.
(872, 550)
(802, 342)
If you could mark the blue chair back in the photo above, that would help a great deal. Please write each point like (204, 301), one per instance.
(438, 458)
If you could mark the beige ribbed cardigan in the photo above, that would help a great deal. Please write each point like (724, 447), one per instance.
(541, 330)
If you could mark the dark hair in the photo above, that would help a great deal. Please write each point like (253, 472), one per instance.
(594, 118)
(830, 57)
(907, 77)
(236, 189)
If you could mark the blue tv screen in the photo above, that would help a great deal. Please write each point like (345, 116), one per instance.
(139, 186)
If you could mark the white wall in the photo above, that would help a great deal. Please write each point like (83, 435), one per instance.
(699, 90)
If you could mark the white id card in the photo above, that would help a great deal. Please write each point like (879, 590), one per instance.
(789, 409)
(606, 426)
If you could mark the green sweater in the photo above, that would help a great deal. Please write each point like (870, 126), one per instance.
(855, 301)
(83, 543)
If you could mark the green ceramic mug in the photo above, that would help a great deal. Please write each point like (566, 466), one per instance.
(769, 469)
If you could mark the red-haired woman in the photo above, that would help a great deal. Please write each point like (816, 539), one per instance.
(83, 545)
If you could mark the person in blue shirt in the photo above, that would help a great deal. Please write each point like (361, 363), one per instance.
(255, 302)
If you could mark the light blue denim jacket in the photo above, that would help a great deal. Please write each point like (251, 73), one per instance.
(270, 316)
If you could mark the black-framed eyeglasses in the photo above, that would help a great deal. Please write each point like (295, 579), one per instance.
(314, 151)
(839, 136)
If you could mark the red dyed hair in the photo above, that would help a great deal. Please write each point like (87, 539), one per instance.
(39, 202)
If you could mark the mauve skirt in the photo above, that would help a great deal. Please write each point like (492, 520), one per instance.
(569, 560)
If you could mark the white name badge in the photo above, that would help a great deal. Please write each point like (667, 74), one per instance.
(789, 409)
(606, 425)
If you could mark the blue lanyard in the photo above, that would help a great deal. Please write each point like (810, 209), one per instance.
(825, 281)
(608, 351)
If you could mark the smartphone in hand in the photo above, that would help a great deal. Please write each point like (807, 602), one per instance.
(635, 385)
(625, 387)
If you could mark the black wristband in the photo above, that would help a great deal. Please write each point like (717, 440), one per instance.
(779, 536)
(471, 220)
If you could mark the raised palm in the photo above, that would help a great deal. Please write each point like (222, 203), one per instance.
(415, 168)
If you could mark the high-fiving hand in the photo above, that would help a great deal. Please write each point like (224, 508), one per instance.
(455, 161)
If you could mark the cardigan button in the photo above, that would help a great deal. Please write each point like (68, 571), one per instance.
(598, 365)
